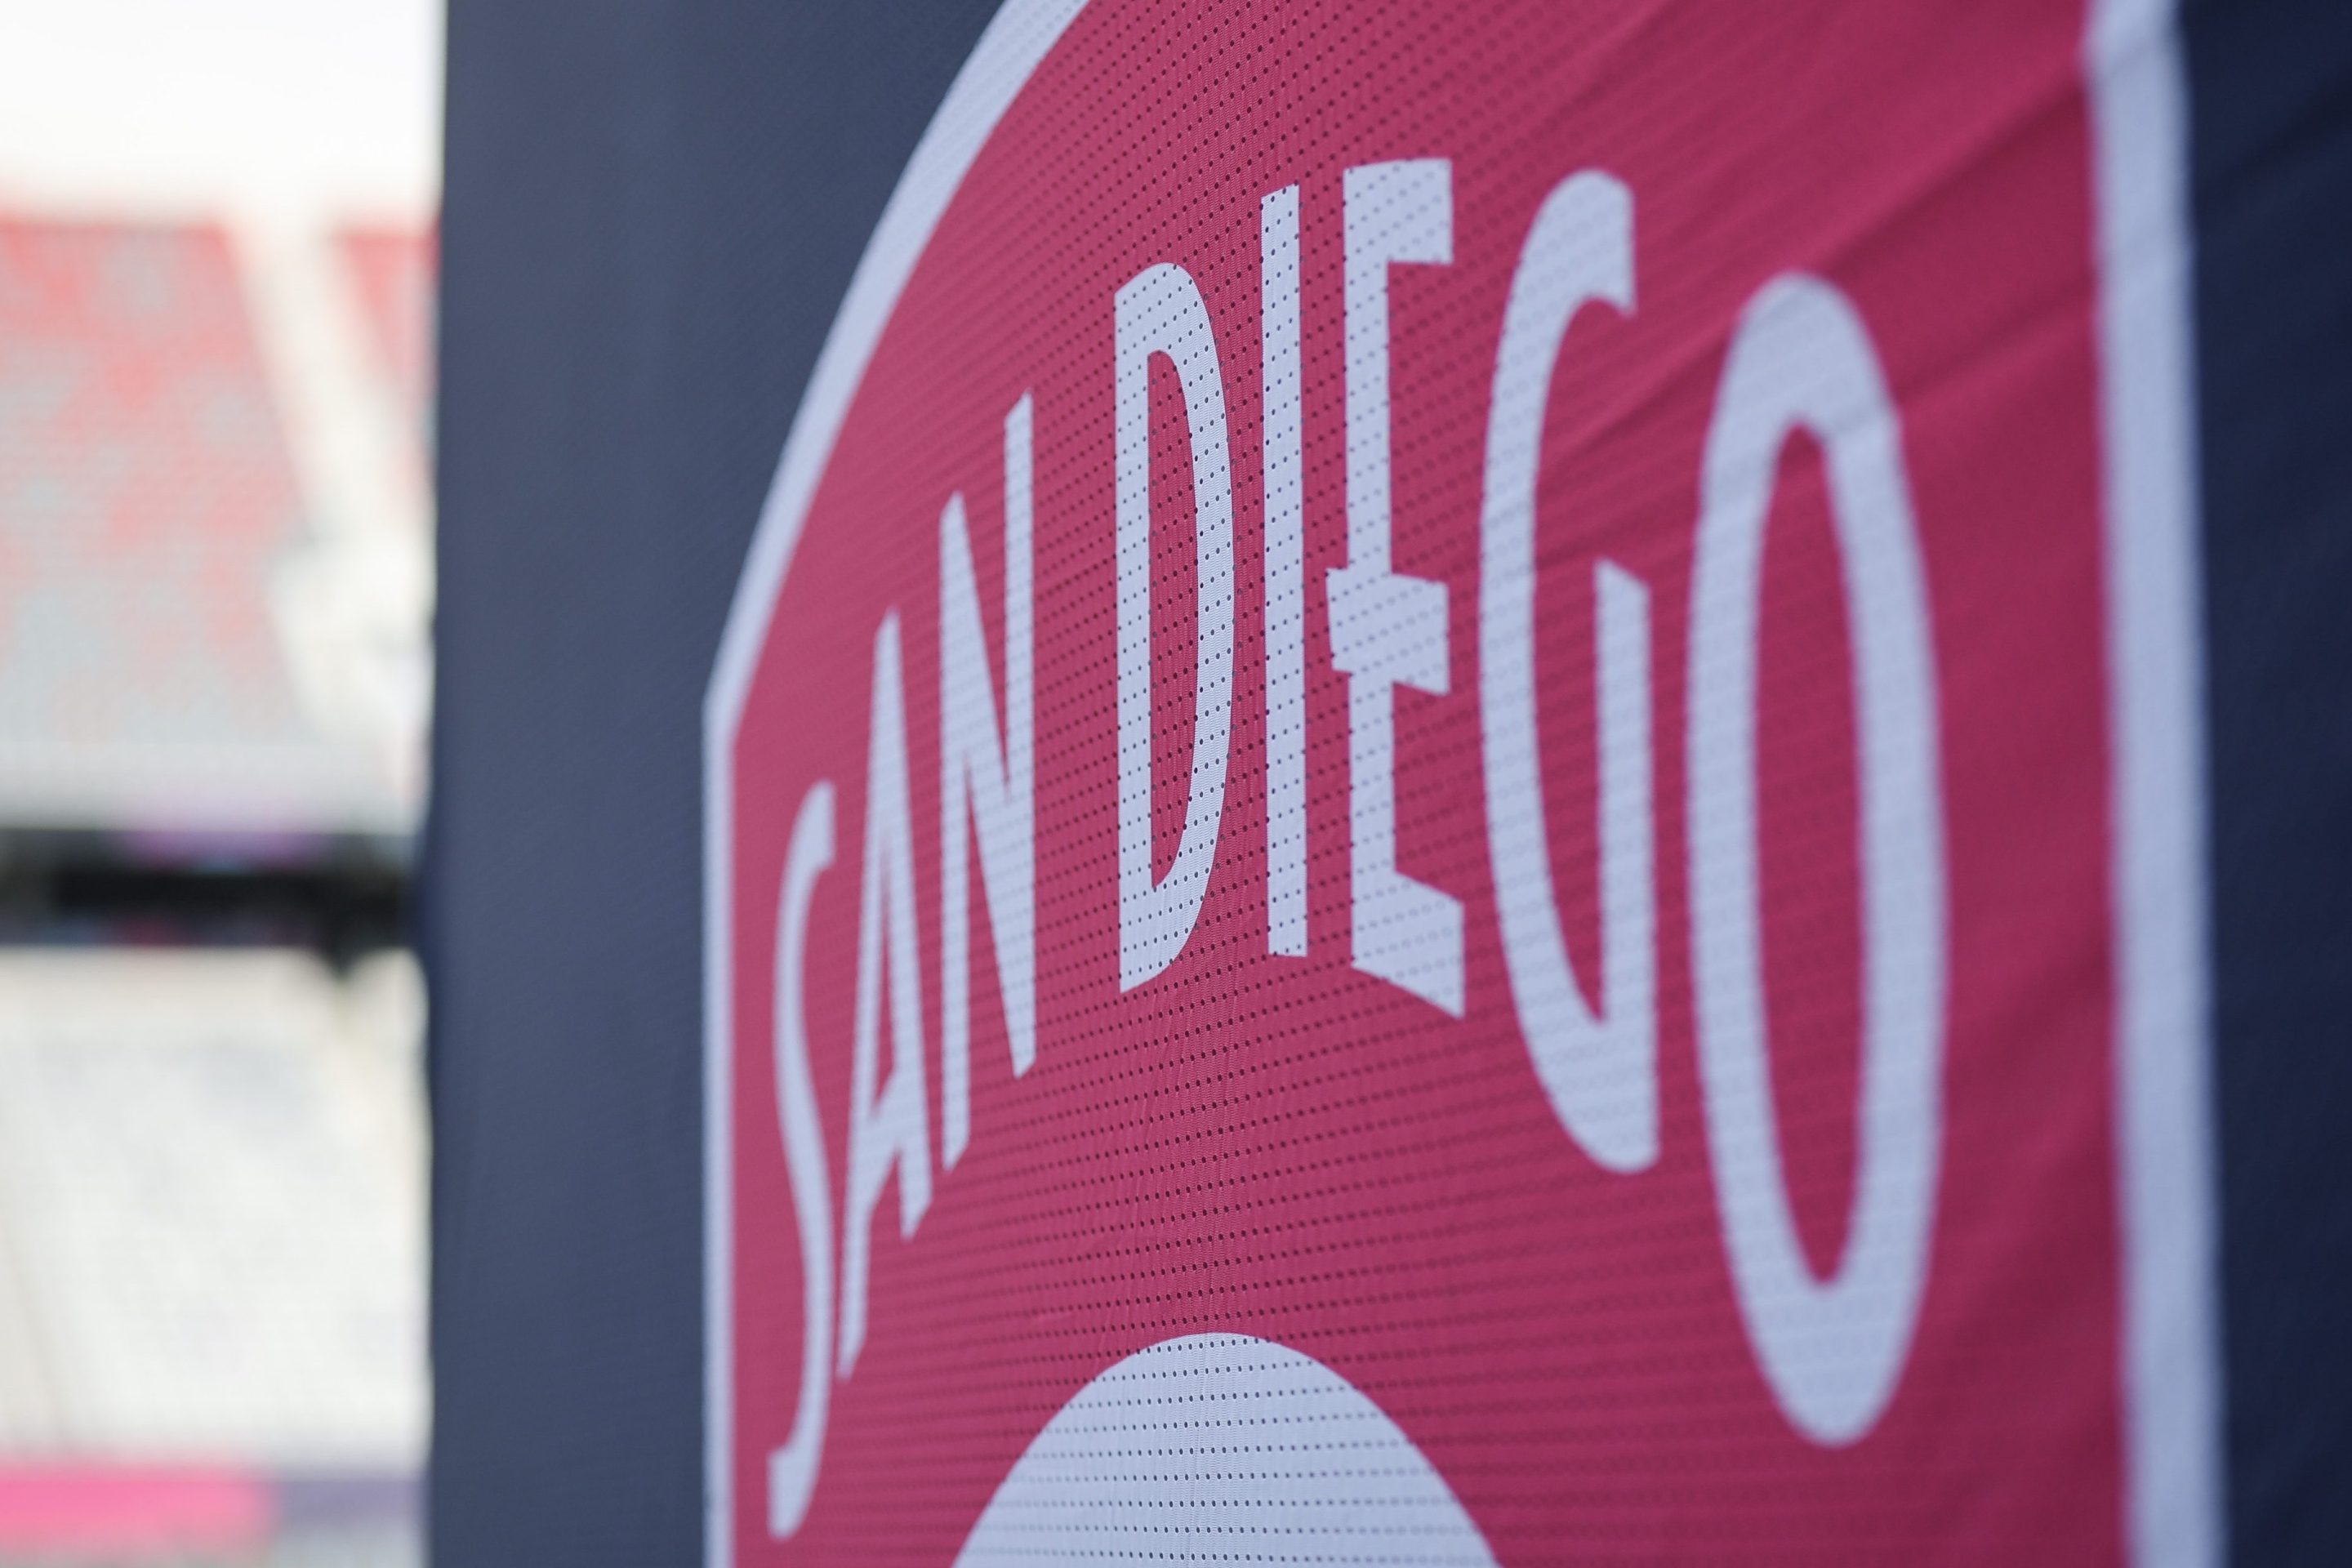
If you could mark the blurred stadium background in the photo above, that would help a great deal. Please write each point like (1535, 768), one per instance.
(215, 586)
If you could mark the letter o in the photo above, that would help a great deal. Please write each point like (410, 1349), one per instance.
(1832, 1350)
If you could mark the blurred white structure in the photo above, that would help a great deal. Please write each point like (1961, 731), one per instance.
(211, 1209)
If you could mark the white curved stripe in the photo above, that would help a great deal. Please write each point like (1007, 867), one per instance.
(1008, 53)
(2175, 1484)
(1226, 1447)
(1001, 65)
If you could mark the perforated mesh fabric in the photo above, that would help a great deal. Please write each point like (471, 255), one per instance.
(1824, 1251)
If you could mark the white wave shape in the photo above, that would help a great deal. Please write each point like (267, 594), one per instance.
(1230, 1448)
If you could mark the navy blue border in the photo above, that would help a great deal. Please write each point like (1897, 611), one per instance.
(2270, 113)
(652, 212)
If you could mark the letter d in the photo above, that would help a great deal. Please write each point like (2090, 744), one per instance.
(1160, 312)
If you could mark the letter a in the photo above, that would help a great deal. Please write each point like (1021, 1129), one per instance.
(892, 1128)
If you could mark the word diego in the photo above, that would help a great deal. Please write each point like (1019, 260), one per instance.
(1800, 359)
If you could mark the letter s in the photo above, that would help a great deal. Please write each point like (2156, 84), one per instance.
(791, 1469)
